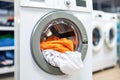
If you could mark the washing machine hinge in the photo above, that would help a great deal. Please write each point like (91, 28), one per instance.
(85, 42)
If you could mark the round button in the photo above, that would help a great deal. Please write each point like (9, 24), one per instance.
(67, 2)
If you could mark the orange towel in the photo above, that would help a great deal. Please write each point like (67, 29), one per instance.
(58, 44)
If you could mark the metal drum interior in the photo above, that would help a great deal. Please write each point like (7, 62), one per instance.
(63, 28)
(62, 25)
(96, 37)
(111, 35)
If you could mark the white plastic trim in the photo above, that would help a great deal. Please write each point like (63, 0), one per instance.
(110, 45)
(98, 47)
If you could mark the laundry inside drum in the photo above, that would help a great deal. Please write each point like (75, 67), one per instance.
(61, 35)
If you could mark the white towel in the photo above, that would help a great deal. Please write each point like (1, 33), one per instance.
(68, 62)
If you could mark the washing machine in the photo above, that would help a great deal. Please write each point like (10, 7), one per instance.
(40, 19)
(97, 41)
(110, 53)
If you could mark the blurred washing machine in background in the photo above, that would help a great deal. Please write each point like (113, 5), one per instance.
(40, 19)
(118, 38)
(97, 40)
(110, 53)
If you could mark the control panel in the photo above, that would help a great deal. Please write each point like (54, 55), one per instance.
(77, 5)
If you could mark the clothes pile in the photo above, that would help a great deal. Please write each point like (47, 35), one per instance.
(59, 52)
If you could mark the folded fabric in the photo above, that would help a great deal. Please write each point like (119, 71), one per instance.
(2, 57)
(1, 65)
(6, 36)
(69, 62)
(59, 44)
(9, 55)
(6, 58)
(7, 42)
(7, 62)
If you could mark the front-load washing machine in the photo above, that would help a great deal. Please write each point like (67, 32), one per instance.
(40, 19)
(110, 54)
(97, 41)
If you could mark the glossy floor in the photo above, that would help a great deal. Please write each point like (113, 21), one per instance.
(109, 74)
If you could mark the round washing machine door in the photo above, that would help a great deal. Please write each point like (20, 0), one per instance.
(63, 25)
(110, 34)
(97, 39)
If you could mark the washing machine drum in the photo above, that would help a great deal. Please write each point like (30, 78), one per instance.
(110, 39)
(97, 39)
(111, 35)
(57, 24)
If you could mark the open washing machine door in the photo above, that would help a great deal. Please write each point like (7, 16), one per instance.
(63, 25)
(97, 38)
(110, 34)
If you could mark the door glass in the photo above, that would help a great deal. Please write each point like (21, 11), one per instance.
(81, 3)
(96, 37)
(111, 35)
(62, 28)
